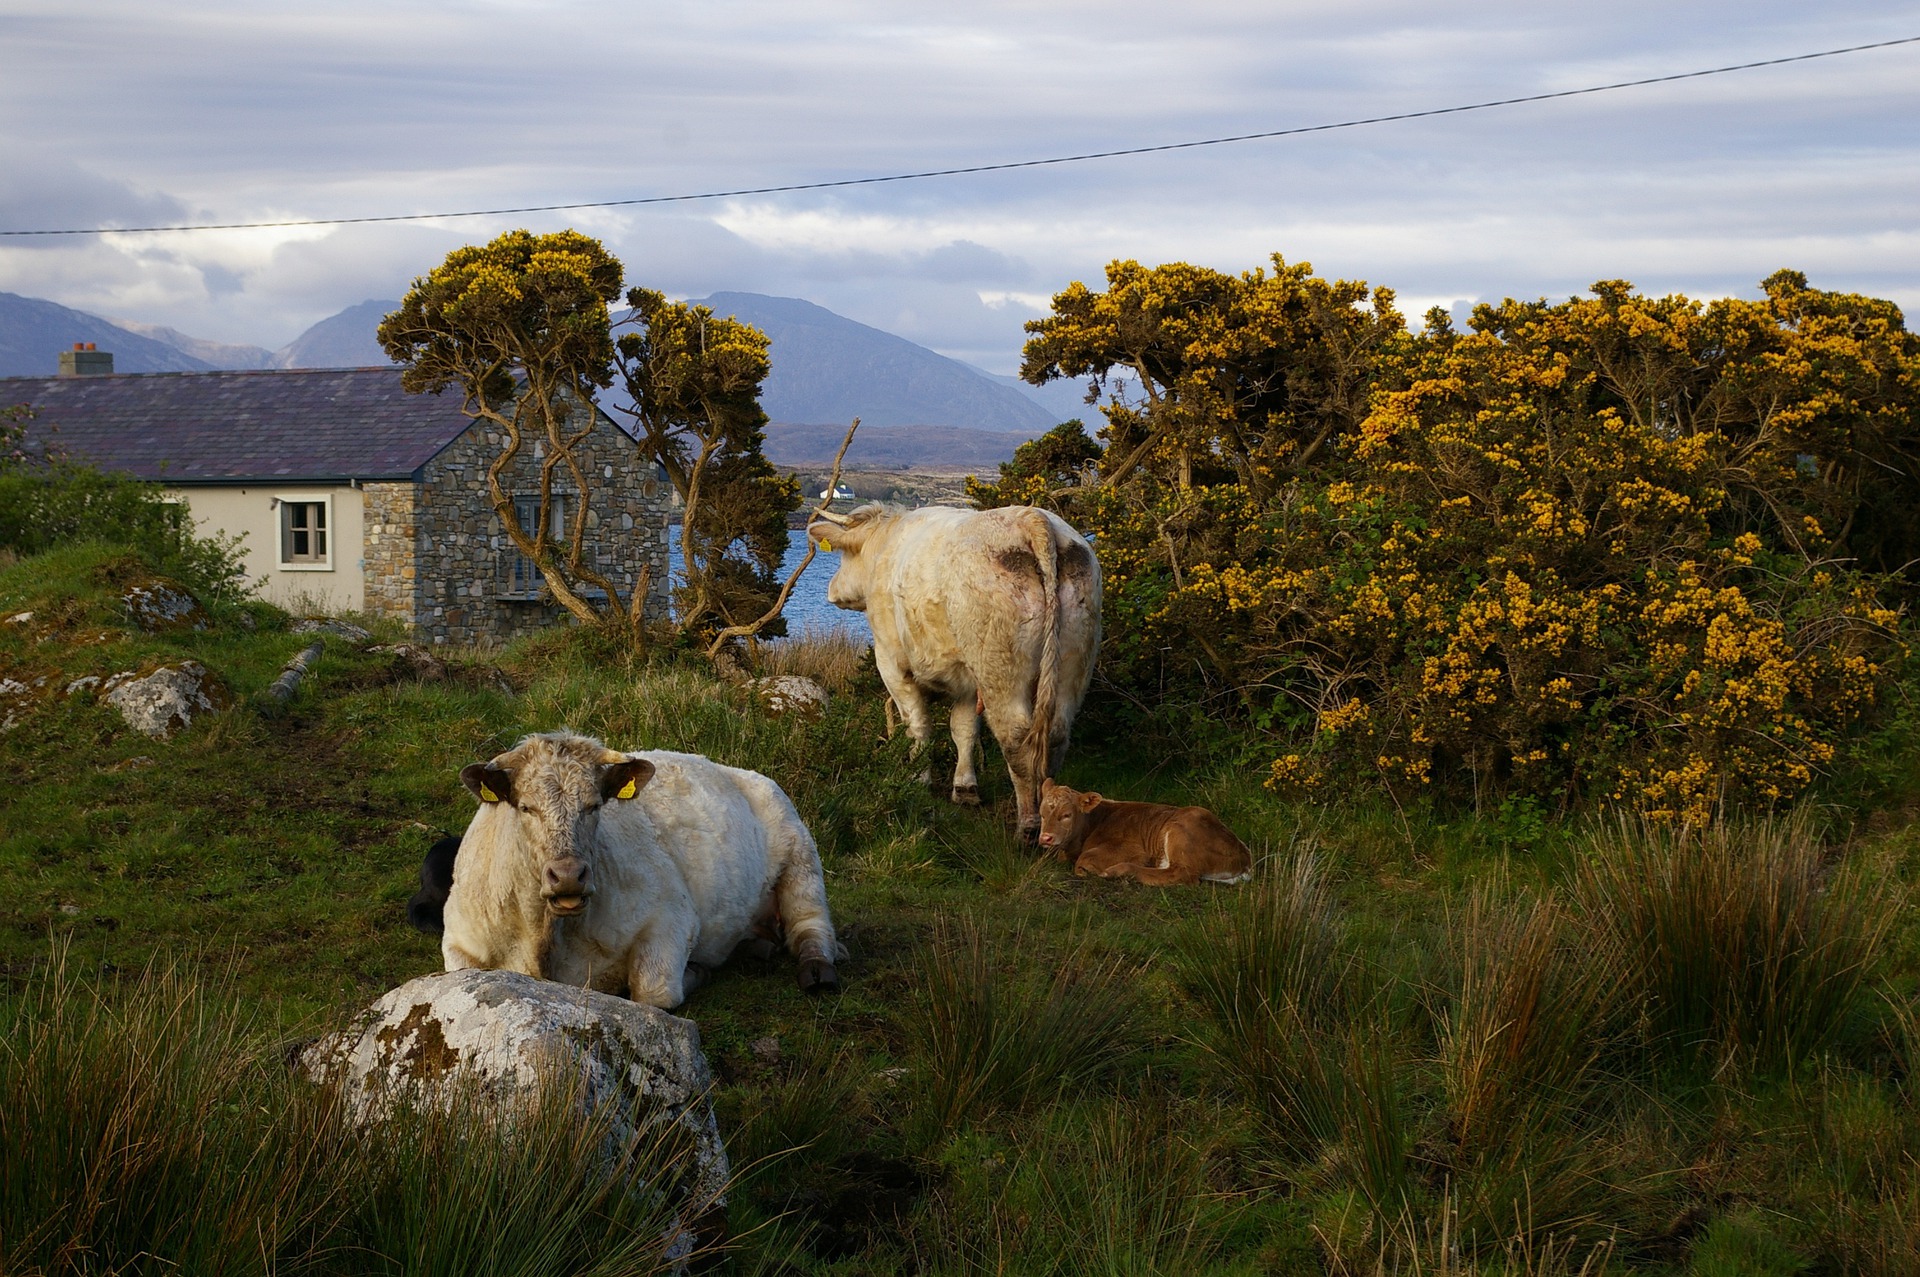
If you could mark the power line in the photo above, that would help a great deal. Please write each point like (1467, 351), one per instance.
(982, 168)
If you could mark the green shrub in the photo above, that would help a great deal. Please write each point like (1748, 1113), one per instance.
(45, 506)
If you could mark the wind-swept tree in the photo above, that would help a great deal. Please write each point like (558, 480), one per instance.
(694, 379)
(520, 327)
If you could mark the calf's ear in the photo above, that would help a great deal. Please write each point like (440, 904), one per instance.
(489, 784)
(626, 778)
(1090, 800)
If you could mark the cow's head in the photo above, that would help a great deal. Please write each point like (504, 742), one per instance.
(553, 787)
(1063, 818)
(848, 536)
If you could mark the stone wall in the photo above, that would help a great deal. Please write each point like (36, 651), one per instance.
(461, 554)
(390, 528)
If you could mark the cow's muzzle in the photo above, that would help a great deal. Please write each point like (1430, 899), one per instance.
(565, 886)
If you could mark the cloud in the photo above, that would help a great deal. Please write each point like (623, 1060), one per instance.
(221, 108)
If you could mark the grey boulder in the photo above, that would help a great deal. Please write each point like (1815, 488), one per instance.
(167, 700)
(508, 1035)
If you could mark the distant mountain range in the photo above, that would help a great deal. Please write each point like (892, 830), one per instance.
(917, 407)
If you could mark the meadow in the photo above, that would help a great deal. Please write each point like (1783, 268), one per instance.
(1422, 1040)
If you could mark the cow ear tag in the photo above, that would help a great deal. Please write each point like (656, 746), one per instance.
(487, 795)
(628, 790)
(827, 546)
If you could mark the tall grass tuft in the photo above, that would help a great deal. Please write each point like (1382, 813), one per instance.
(1128, 1193)
(1322, 1070)
(989, 1041)
(833, 658)
(1747, 953)
(1539, 1003)
(131, 1135)
(150, 1126)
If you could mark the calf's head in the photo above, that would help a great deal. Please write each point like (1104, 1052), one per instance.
(1064, 815)
(553, 787)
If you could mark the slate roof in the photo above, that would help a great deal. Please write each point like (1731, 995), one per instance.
(277, 426)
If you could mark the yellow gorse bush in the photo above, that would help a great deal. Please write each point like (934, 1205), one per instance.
(1578, 552)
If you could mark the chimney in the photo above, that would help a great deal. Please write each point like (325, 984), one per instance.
(84, 361)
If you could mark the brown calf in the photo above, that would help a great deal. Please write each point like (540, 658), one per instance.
(1157, 844)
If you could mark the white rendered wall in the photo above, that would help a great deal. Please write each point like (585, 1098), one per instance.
(338, 586)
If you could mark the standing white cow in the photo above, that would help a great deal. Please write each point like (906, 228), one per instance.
(994, 610)
(633, 873)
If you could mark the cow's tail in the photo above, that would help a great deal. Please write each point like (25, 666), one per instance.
(1046, 688)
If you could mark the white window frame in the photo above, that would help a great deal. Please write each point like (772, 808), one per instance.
(283, 534)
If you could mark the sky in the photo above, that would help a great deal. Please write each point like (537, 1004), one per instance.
(133, 113)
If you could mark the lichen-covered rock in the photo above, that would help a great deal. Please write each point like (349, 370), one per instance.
(160, 607)
(506, 1033)
(791, 694)
(167, 700)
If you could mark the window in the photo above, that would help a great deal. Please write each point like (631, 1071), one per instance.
(519, 578)
(306, 533)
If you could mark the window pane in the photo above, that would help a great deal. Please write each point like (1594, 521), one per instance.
(320, 538)
(300, 550)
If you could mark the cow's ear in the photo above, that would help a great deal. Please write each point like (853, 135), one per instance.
(489, 784)
(1048, 785)
(625, 779)
(1090, 800)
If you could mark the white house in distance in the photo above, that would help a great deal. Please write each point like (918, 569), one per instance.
(353, 495)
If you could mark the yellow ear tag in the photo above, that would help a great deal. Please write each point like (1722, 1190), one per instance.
(628, 790)
(487, 795)
(826, 545)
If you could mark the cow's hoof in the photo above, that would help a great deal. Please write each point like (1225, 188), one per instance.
(816, 975)
(967, 795)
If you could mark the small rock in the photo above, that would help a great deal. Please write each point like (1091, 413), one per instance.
(441, 1036)
(327, 625)
(426, 666)
(766, 1050)
(161, 606)
(791, 694)
(892, 1075)
(69, 909)
(138, 762)
(20, 618)
(86, 684)
(167, 700)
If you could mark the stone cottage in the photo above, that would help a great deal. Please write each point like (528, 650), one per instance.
(353, 495)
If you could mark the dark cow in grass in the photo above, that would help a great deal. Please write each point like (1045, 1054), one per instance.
(1161, 846)
(425, 911)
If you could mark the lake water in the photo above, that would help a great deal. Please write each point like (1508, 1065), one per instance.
(807, 606)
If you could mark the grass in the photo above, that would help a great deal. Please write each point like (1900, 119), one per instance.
(148, 1124)
(1414, 1043)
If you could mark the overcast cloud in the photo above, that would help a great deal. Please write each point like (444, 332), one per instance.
(133, 112)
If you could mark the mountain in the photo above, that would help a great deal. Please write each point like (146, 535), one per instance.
(344, 340)
(793, 447)
(214, 354)
(1062, 400)
(34, 332)
(829, 369)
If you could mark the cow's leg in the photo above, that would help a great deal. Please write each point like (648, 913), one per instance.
(802, 894)
(913, 707)
(1010, 723)
(966, 742)
(658, 969)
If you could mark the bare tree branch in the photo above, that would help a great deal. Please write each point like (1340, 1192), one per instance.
(743, 631)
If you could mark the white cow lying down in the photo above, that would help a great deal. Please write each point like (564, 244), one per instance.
(633, 873)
